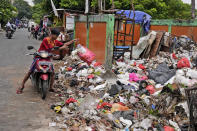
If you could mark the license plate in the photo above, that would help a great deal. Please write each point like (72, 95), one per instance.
(9, 32)
(45, 63)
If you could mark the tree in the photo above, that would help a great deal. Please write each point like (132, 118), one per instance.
(7, 11)
(37, 13)
(193, 8)
(73, 4)
(37, 1)
(24, 9)
(43, 7)
(158, 9)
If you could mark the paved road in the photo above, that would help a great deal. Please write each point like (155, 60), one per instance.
(25, 112)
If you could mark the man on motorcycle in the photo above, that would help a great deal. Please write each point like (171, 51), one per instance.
(47, 45)
(9, 26)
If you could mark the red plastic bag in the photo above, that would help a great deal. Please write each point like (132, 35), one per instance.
(184, 62)
(69, 68)
(174, 56)
(91, 76)
(104, 104)
(168, 128)
(96, 64)
(141, 67)
(85, 54)
(70, 100)
(150, 89)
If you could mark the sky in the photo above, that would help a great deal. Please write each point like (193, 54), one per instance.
(30, 2)
(185, 1)
(189, 2)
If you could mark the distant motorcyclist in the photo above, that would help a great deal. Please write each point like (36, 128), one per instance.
(9, 28)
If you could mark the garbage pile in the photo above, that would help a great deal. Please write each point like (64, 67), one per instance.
(144, 94)
(149, 46)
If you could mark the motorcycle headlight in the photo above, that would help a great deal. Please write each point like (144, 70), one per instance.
(44, 54)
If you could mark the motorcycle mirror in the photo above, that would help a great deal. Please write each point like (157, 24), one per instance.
(56, 48)
(30, 47)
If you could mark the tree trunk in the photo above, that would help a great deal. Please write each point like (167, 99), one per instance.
(193, 9)
(104, 4)
(113, 6)
(99, 6)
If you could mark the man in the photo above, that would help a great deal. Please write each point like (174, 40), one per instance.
(36, 31)
(32, 32)
(47, 45)
(8, 25)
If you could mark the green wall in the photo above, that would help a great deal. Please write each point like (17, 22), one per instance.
(171, 23)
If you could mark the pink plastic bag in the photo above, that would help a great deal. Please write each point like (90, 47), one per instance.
(168, 128)
(85, 54)
(135, 78)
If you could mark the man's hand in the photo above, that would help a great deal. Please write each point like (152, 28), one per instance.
(76, 40)
(65, 46)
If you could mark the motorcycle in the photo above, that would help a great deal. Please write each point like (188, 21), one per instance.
(9, 33)
(41, 76)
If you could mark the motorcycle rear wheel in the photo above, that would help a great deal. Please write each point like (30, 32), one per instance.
(9, 36)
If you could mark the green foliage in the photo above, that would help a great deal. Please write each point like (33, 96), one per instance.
(37, 13)
(43, 7)
(7, 11)
(73, 4)
(158, 9)
(24, 9)
(57, 22)
(37, 1)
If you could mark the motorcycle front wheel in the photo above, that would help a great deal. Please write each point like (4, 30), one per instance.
(44, 87)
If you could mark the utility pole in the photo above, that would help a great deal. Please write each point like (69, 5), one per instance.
(193, 9)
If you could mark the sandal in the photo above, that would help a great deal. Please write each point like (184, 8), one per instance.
(19, 91)
(51, 90)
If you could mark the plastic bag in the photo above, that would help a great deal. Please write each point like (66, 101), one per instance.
(168, 128)
(85, 54)
(151, 89)
(134, 77)
(161, 74)
(184, 62)
(146, 123)
(118, 107)
(192, 73)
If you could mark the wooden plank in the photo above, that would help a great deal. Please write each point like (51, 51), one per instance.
(156, 44)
